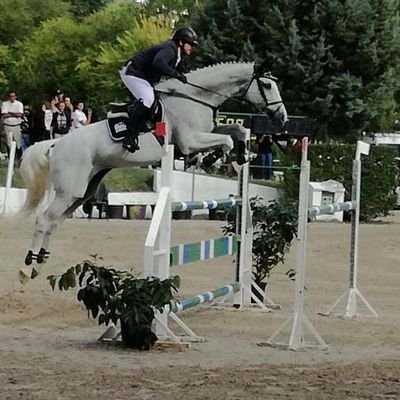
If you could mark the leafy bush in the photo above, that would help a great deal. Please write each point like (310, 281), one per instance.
(113, 296)
(275, 226)
(333, 161)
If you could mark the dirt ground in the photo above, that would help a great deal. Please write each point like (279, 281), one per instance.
(48, 347)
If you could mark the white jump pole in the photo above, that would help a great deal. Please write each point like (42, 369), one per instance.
(10, 173)
(299, 319)
(353, 292)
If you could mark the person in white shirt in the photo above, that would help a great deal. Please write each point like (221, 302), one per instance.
(79, 117)
(12, 112)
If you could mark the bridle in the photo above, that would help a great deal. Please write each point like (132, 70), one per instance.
(255, 77)
(261, 85)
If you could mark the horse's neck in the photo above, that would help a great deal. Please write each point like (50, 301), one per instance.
(226, 80)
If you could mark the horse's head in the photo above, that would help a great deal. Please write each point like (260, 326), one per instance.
(263, 92)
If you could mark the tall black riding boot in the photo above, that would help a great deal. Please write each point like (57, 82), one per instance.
(136, 119)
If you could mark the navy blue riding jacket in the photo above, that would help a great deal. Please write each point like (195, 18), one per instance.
(154, 62)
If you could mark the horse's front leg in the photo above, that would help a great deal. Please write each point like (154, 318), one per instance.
(205, 141)
(239, 135)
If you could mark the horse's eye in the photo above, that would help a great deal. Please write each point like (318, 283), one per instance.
(267, 86)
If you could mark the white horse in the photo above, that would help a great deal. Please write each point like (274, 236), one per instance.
(76, 163)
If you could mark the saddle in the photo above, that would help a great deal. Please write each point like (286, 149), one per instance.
(118, 116)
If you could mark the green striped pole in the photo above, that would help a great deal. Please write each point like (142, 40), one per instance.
(204, 297)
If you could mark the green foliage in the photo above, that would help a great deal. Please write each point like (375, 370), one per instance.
(98, 69)
(117, 296)
(117, 180)
(46, 61)
(179, 8)
(4, 62)
(82, 8)
(275, 226)
(17, 178)
(129, 179)
(18, 18)
(334, 161)
(338, 61)
(82, 57)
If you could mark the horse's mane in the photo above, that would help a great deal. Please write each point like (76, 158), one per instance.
(197, 75)
(220, 65)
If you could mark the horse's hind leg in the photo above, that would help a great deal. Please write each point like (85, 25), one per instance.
(45, 224)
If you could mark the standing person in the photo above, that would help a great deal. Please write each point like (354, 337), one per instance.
(12, 111)
(145, 69)
(69, 108)
(265, 155)
(43, 118)
(79, 117)
(26, 128)
(61, 122)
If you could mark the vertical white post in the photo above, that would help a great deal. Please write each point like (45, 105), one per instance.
(296, 336)
(296, 340)
(245, 230)
(353, 292)
(162, 261)
(355, 222)
(10, 173)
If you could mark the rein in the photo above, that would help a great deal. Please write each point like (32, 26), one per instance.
(240, 100)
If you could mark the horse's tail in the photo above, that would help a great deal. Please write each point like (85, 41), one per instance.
(35, 173)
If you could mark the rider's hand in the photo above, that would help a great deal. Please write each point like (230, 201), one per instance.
(182, 78)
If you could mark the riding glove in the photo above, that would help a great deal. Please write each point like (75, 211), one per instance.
(182, 78)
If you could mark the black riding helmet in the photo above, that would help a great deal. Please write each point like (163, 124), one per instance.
(186, 35)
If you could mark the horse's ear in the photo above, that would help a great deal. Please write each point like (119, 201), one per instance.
(258, 69)
(270, 76)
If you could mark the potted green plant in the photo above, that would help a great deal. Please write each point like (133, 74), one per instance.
(274, 228)
(118, 296)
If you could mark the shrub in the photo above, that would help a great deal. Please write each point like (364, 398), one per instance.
(334, 161)
(117, 296)
(275, 226)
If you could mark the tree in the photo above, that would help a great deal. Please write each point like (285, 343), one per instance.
(49, 58)
(83, 8)
(179, 8)
(100, 72)
(337, 59)
(18, 18)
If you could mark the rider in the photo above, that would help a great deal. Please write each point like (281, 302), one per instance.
(145, 69)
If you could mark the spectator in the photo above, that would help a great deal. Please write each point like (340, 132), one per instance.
(26, 128)
(48, 117)
(42, 123)
(61, 123)
(265, 155)
(12, 112)
(80, 119)
(69, 108)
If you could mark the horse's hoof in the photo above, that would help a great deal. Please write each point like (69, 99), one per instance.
(42, 256)
(29, 258)
(24, 275)
(34, 273)
(208, 161)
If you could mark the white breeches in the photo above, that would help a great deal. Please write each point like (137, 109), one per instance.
(140, 88)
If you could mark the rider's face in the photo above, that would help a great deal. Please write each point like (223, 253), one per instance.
(187, 48)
